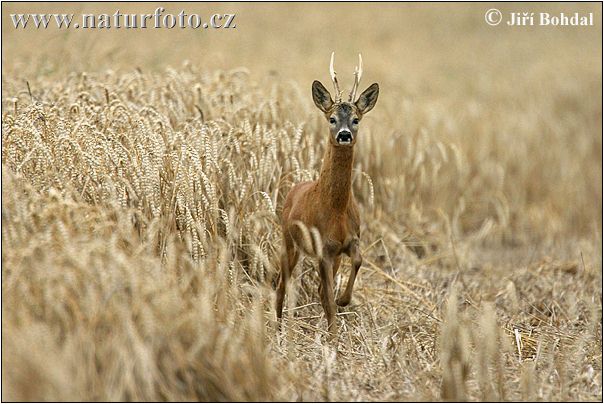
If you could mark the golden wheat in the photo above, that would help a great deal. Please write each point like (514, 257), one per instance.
(140, 226)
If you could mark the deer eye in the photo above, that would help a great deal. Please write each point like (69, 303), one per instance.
(355, 121)
(332, 120)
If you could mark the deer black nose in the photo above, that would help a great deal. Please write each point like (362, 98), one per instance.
(344, 137)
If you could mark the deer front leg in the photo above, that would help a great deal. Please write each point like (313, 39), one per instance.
(336, 265)
(326, 292)
(357, 260)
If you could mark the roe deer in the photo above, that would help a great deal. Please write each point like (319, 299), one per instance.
(328, 204)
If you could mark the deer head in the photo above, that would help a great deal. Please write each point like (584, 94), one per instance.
(344, 117)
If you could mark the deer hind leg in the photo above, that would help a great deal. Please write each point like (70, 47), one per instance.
(357, 261)
(289, 258)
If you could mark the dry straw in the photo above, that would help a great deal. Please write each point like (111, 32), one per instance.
(141, 232)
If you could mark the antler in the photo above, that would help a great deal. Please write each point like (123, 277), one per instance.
(358, 72)
(332, 72)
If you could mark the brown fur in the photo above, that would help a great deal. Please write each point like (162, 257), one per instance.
(327, 205)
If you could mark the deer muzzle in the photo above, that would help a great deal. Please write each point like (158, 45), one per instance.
(344, 137)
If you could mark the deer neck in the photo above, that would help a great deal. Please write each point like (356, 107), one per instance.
(336, 177)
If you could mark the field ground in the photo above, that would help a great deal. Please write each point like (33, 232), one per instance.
(143, 174)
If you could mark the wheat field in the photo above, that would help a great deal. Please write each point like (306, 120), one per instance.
(144, 173)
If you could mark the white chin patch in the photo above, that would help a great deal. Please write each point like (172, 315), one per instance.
(344, 142)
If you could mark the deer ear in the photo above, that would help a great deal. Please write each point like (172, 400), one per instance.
(367, 100)
(321, 96)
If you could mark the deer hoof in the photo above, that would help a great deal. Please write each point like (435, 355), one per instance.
(343, 301)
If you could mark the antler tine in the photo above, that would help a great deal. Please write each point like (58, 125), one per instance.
(332, 72)
(358, 72)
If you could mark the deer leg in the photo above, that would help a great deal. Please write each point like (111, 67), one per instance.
(326, 291)
(357, 261)
(336, 265)
(289, 258)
